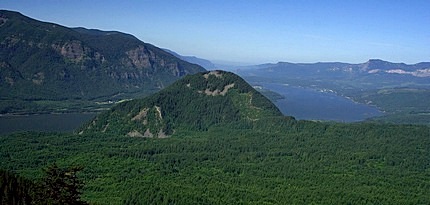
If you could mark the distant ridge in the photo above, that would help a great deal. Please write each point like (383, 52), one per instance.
(339, 69)
(208, 65)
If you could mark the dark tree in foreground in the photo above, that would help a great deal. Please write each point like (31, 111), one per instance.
(15, 189)
(61, 186)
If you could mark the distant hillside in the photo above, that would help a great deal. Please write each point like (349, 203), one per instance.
(195, 102)
(45, 61)
(337, 69)
(192, 59)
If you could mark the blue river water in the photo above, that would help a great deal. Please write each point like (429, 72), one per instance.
(66, 122)
(310, 104)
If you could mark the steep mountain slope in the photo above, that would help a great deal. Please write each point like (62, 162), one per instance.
(41, 60)
(195, 102)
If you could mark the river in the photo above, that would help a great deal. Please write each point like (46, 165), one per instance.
(310, 104)
(67, 122)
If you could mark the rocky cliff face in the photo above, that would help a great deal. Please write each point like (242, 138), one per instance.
(75, 52)
(76, 62)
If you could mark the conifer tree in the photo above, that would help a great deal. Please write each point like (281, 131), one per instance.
(62, 186)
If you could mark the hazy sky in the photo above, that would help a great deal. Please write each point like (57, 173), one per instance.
(256, 31)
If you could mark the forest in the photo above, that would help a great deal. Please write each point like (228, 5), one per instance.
(222, 142)
(278, 161)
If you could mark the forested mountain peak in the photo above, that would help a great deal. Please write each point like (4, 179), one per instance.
(196, 102)
(46, 61)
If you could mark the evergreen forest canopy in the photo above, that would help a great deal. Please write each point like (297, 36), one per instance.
(280, 162)
(244, 152)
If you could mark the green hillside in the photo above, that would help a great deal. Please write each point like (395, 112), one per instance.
(196, 102)
(402, 105)
(41, 63)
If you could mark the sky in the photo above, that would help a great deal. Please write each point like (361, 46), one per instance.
(256, 31)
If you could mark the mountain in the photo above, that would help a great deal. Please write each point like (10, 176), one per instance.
(379, 66)
(342, 77)
(208, 65)
(46, 61)
(196, 102)
(338, 69)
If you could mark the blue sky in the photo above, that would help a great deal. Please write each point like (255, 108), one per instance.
(253, 32)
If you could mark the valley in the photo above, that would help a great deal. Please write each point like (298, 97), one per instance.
(310, 104)
(221, 142)
(100, 117)
(132, 69)
(401, 96)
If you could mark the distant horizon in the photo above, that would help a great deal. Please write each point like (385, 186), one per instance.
(256, 32)
(221, 62)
